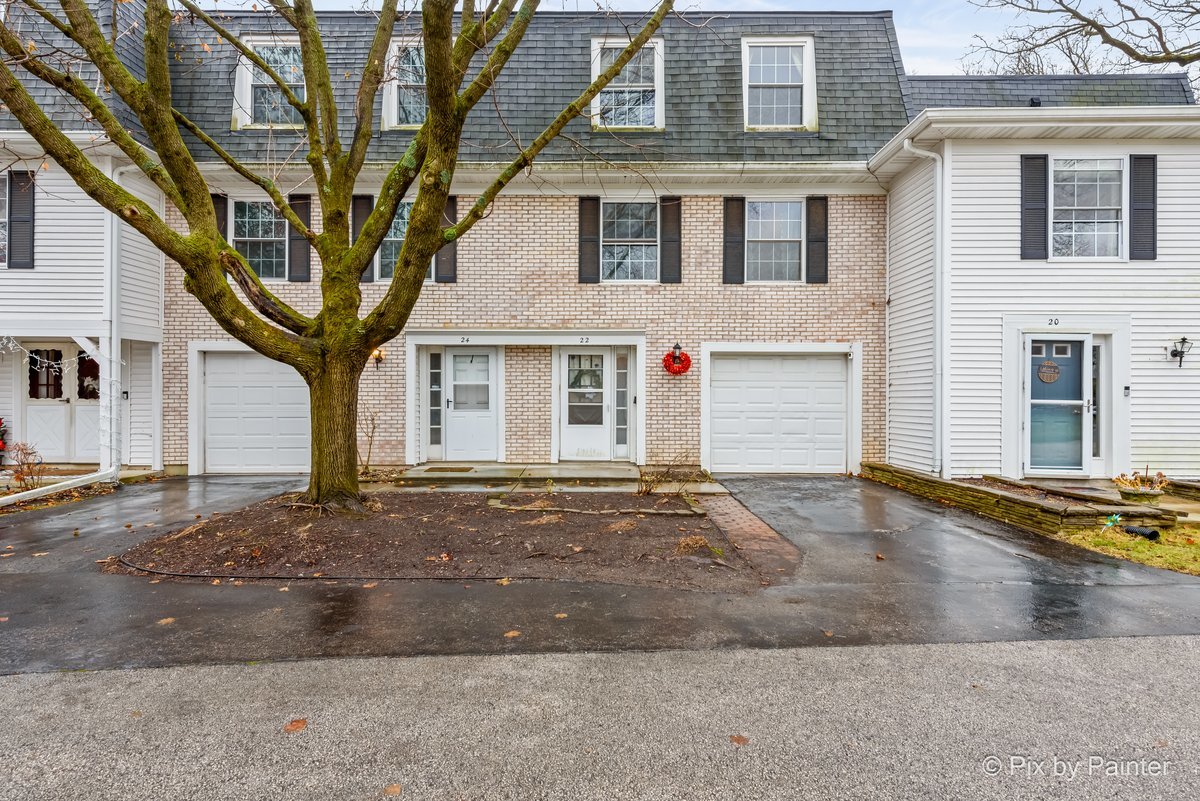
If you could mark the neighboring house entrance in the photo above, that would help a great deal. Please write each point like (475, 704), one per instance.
(779, 413)
(471, 428)
(595, 403)
(62, 403)
(1064, 382)
(255, 417)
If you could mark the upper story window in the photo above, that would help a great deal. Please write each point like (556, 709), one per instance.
(1088, 208)
(779, 86)
(260, 102)
(405, 101)
(634, 98)
(774, 240)
(260, 234)
(629, 241)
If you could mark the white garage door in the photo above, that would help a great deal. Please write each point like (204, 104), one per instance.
(778, 413)
(256, 415)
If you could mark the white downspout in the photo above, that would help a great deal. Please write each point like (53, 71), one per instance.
(940, 467)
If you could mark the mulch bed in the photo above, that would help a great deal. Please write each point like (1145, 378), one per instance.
(1027, 491)
(460, 536)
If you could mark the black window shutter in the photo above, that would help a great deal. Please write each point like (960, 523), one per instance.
(670, 258)
(445, 263)
(299, 251)
(1143, 208)
(589, 240)
(361, 207)
(20, 220)
(1035, 207)
(816, 240)
(734, 270)
(221, 209)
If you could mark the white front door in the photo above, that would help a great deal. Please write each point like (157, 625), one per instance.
(62, 403)
(471, 423)
(586, 417)
(1060, 407)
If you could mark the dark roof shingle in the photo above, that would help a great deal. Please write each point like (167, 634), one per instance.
(1013, 91)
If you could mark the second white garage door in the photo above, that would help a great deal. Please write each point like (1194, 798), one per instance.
(255, 416)
(778, 413)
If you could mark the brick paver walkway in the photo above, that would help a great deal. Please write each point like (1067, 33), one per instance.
(774, 555)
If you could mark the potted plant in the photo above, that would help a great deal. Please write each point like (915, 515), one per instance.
(1141, 487)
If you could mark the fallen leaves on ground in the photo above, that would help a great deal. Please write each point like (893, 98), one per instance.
(879, 557)
(370, 585)
(135, 713)
(511, 634)
(393, 789)
(42, 553)
(292, 726)
(739, 740)
(561, 616)
(544, 519)
(283, 589)
(166, 621)
(3, 620)
(504, 582)
(827, 632)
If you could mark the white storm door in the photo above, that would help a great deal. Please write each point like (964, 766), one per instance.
(587, 404)
(1059, 403)
(47, 403)
(85, 408)
(471, 422)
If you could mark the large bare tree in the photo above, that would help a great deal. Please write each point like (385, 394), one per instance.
(1091, 36)
(465, 53)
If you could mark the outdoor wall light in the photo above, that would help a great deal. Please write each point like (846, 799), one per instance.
(676, 353)
(1180, 349)
(377, 357)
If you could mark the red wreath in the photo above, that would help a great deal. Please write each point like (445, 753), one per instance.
(677, 368)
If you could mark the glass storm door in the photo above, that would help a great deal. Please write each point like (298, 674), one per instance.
(471, 424)
(587, 404)
(1059, 388)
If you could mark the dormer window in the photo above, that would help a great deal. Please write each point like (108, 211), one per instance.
(260, 103)
(778, 84)
(405, 101)
(634, 98)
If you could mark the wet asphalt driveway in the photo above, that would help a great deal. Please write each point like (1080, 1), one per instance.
(945, 576)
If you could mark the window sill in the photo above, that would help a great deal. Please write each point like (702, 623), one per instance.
(261, 126)
(1087, 260)
(784, 282)
(782, 129)
(623, 281)
(387, 128)
(630, 129)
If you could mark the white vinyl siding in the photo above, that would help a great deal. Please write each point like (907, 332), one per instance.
(989, 279)
(141, 265)
(70, 231)
(8, 395)
(910, 319)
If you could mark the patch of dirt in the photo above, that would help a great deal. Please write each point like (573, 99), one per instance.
(59, 498)
(460, 536)
(1027, 491)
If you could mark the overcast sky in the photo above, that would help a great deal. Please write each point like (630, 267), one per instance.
(934, 34)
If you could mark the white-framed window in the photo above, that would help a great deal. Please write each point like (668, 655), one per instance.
(389, 249)
(260, 233)
(1038, 350)
(774, 240)
(779, 88)
(258, 101)
(635, 97)
(405, 100)
(3, 220)
(628, 241)
(1088, 208)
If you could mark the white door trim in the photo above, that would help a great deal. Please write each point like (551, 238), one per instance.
(853, 352)
(1015, 327)
(500, 338)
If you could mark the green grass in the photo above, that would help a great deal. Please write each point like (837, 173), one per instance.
(1177, 550)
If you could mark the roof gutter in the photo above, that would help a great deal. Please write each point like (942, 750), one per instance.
(941, 302)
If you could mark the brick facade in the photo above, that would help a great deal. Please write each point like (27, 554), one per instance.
(518, 270)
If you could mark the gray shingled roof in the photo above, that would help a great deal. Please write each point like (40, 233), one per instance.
(858, 80)
(993, 91)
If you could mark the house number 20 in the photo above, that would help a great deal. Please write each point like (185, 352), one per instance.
(1052, 321)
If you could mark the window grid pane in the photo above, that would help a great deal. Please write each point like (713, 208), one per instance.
(775, 83)
(774, 236)
(629, 100)
(260, 234)
(411, 95)
(629, 250)
(268, 105)
(1087, 208)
